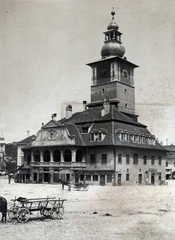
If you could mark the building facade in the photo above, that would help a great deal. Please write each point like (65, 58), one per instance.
(104, 144)
(170, 162)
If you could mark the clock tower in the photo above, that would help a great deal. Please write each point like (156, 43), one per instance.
(113, 75)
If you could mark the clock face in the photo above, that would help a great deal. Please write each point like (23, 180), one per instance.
(125, 74)
(103, 73)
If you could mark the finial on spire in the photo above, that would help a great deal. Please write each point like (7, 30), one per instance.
(113, 13)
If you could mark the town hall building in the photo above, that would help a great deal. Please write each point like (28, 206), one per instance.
(104, 144)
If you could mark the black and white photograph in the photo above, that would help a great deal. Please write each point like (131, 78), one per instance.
(87, 119)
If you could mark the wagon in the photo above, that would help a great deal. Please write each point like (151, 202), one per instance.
(22, 208)
(81, 185)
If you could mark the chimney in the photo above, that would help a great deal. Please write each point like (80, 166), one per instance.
(84, 105)
(28, 132)
(106, 107)
(68, 111)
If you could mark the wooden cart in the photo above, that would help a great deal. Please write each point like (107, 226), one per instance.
(81, 186)
(47, 207)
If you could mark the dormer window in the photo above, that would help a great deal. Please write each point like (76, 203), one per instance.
(135, 138)
(85, 129)
(92, 137)
(99, 136)
(143, 139)
(139, 139)
(122, 136)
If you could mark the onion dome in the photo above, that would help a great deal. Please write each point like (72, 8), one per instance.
(112, 49)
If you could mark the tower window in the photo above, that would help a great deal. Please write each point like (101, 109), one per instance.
(125, 90)
(126, 105)
(103, 91)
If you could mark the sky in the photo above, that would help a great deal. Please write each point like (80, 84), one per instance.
(45, 46)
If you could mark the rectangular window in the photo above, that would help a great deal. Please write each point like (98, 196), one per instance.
(143, 139)
(119, 159)
(135, 138)
(144, 160)
(160, 161)
(127, 159)
(104, 158)
(88, 177)
(135, 159)
(152, 160)
(127, 137)
(92, 159)
(92, 137)
(95, 178)
(85, 129)
(99, 136)
(174, 164)
(122, 136)
(166, 164)
(109, 178)
(139, 139)
(127, 177)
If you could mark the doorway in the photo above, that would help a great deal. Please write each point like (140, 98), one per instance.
(67, 177)
(102, 180)
(46, 177)
(152, 179)
(119, 179)
(140, 179)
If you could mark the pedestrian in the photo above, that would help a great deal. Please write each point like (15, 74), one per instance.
(9, 177)
(62, 184)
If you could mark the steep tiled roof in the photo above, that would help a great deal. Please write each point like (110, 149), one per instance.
(94, 115)
(26, 140)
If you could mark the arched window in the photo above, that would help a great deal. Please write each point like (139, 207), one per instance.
(37, 156)
(135, 159)
(68, 155)
(79, 155)
(57, 156)
(46, 156)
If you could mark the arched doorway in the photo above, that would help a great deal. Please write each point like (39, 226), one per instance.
(140, 178)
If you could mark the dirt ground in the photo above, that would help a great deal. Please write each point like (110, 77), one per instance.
(122, 212)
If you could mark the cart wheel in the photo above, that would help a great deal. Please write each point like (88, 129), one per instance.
(23, 215)
(57, 212)
(47, 213)
(12, 212)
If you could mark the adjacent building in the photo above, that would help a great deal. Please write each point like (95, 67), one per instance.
(104, 144)
(170, 162)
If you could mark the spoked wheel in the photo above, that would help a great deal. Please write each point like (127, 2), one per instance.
(23, 215)
(47, 212)
(57, 212)
(12, 212)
